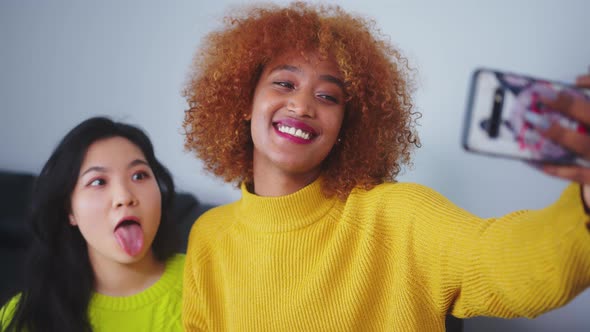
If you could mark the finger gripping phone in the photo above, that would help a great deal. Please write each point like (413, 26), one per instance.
(505, 115)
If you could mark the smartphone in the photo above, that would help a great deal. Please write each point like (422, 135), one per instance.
(504, 115)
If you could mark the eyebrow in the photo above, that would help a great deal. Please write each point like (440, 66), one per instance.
(333, 79)
(295, 69)
(286, 67)
(102, 169)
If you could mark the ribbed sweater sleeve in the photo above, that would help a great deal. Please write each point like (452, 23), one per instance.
(525, 263)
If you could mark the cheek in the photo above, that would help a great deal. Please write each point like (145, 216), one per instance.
(335, 123)
(265, 103)
(152, 214)
(153, 200)
(86, 208)
(260, 121)
(89, 219)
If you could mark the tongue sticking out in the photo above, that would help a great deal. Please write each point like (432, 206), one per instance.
(130, 237)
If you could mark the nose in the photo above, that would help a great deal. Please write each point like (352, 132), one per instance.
(301, 104)
(124, 196)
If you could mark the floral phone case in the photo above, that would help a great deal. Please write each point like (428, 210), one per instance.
(504, 115)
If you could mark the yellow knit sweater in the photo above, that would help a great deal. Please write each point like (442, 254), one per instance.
(395, 258)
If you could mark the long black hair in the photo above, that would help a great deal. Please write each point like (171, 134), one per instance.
(58, 278)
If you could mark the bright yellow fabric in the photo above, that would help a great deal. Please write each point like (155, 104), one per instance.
(157, 308)
(395, 258)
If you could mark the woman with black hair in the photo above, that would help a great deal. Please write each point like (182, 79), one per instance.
(102, 256)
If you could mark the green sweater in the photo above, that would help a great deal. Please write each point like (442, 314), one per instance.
(398, 257)
(157, 308)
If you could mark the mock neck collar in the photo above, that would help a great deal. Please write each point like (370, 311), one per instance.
(153, 293)
(284, 213)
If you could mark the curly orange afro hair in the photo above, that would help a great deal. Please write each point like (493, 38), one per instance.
(378, 132)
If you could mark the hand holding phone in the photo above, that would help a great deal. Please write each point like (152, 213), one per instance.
(579, 109)
(513, 116)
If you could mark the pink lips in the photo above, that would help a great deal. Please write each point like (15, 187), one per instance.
(297, 125)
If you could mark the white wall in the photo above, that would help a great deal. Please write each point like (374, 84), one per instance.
(63, 61)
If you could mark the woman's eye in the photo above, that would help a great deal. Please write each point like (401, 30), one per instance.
(283, 84)
(139, 176)
(329, 98)
(97, 182)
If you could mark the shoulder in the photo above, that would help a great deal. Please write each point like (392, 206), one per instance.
(7, 310)
(394, 205)
(175, 264)
(221, 210)
(210, 227)
(398, 193)
(214, 221)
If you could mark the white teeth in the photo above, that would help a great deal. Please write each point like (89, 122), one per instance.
(294, 131)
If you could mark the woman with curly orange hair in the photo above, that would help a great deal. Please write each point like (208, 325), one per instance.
(309, 110)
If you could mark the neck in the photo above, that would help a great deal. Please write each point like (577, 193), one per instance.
(118, 279)
(273, 185)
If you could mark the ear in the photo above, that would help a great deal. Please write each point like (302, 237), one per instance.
(72, 220)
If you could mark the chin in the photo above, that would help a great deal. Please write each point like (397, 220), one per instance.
(295, 165)
(125, 258)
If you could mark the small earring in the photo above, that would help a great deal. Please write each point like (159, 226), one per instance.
(339, 139)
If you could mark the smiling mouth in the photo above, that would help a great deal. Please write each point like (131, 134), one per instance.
(297, 132)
